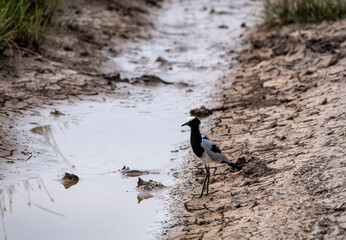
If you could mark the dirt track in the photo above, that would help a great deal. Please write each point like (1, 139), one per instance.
(285, 124)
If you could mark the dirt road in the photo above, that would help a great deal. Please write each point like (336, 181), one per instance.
(284, 122)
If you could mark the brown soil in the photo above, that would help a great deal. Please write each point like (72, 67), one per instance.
(69, 63)
(285, 124)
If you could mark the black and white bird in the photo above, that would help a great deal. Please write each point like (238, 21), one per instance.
(206, 150)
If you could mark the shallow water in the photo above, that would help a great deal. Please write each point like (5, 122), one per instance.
(96, 141)
(95, 208)
(96, 138)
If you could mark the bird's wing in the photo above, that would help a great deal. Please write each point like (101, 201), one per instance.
(213, 152)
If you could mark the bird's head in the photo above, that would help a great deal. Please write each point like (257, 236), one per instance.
(192, 121)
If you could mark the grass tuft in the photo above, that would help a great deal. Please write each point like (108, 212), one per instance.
(24, 23)
(280, 12)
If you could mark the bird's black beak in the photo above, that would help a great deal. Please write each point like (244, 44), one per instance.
(184, 124)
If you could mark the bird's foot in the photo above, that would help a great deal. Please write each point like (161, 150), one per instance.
(201, 195)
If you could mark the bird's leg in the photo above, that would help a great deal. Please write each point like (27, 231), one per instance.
(208, 177)
(205, 180)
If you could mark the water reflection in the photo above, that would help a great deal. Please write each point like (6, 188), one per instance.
(2, 211)
(69, 180)
(99, 208)
(142, 196)
(47, 132)
(99, 143)
(24, 190)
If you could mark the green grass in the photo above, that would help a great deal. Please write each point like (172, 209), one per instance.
(280, 12)
(24, 23)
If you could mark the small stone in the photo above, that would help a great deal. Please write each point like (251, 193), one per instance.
(56, 113)
(324, 101)
(201, 112)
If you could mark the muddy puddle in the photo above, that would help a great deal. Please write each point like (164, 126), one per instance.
(94, 139)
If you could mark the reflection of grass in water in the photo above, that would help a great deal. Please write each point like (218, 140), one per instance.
(2, 211)
(47, 132)
(40, 182)
(28, 186)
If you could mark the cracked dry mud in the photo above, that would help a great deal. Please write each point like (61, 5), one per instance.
(285, 124)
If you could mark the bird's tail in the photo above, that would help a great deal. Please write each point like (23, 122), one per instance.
(233, 165)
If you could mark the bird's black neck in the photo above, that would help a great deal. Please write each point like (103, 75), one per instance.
(196, 140)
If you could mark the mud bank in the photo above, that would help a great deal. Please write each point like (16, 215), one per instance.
(285, 124)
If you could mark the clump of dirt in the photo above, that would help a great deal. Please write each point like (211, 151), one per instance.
(56, 113)
(203, 112)
(146, 189)
(284, 120)
(126, 171)
(200, 112)
(149, 80)
(148, 185)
